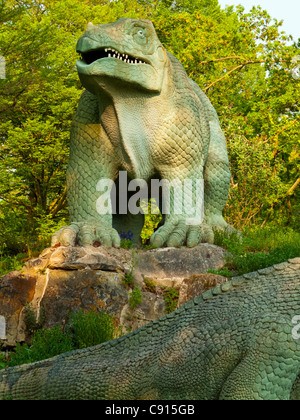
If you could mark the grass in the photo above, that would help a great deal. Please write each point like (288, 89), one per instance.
(171, 296)
(135, 297)
(257, 249)
(126, 244)
(84, 329)
(91, 328)
(11, 263)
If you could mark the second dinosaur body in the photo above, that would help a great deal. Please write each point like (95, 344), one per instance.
(237, 341)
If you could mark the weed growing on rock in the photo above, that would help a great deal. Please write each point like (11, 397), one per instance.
(171, 296)
(150, 285)
(135, 297)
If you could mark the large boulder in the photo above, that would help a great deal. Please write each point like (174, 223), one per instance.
(66, 279)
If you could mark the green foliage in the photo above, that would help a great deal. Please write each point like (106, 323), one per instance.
(128, 277)
(126, 244)
(11, 263)
(221, 272)
(171, 296)
(45, 344)
(91, 328)
(3, 360)
(135, 297)
(251, 262)
(152, 219)
(241, 60)
(83, 330)
(31, 321)
(150, 285)
(258, 248)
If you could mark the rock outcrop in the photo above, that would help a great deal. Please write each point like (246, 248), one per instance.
(65, 279)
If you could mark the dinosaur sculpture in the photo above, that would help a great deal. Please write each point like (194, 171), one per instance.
(236, 341)
(141, 114)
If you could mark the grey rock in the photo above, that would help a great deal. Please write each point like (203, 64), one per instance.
(65, 279)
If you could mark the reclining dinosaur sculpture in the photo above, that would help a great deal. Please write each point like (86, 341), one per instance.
(236, 341)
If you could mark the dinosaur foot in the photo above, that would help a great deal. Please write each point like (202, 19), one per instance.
(176, 232)
(85, 234)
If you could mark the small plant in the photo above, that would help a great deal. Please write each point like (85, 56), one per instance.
(3, 360)
(171, 296)
(126, 235)
(91, 328)
(147, 246)
(135, 297)
(126, 244)
(128, 278)
(150, 285)
(126, 240)
(31, 321)
(221, 272)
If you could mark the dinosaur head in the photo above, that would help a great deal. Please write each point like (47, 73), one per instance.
(127, 51)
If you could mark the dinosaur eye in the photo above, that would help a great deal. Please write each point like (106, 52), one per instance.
(140, 35)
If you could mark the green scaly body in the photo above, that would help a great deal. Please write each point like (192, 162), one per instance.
(233, 342)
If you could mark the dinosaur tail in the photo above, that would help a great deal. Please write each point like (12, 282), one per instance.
(26, 382)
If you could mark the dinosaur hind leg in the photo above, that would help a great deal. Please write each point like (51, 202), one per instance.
(216, 181)
(257, 378)
(270, 369)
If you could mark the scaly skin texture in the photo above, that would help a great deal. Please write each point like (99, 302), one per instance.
(235, 342)
(143, 115)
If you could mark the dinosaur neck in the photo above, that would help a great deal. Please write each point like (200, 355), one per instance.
(131, 118)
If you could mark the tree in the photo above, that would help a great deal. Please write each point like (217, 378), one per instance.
(242, 61)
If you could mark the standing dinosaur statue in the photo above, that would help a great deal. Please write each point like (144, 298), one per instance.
(141, 114)
(236, 341)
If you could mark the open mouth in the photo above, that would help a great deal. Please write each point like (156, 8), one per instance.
(93, 55)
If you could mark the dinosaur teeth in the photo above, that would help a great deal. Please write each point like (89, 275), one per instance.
(111, 52)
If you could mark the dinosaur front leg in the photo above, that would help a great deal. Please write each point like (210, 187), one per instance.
(216, 180)
(90, 176)
(90, 213)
